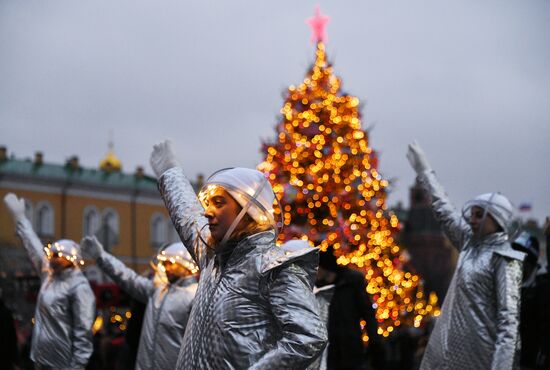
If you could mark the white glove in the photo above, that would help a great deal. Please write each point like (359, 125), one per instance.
(163, 158)
(91, 247)
(417, 158)
(15, 205)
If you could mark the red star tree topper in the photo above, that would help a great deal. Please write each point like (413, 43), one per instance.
(318, 23)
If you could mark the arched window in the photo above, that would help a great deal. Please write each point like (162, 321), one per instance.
(91, 221)
(44, 217)
(29, 211)
(109, 229)
(158, 230)
(171, 233)
(110, 218)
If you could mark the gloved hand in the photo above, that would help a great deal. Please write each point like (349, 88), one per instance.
(417, 158)
(163, 158)
(91, 247)
(15, 205)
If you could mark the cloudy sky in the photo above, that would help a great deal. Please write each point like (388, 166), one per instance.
(470, 80)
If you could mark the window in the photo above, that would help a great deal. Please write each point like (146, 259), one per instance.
(29, 211)
(109, 229)
(91, 221)
(44, 219)
(171, 233)
(110, 218)
(158, 230)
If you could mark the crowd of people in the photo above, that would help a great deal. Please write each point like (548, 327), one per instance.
(227, 297)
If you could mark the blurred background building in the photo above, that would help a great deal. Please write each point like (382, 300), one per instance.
(123, 210)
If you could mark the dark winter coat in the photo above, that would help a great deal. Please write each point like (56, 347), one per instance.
(349, 305)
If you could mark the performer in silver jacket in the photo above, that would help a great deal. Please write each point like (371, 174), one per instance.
(65, 307)
(168, 296)
(479, 322)
(254, 307)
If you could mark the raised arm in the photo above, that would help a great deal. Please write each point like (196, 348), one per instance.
(304, 335)
(31, 242)
(181, 201)
(445, 212)
(137, 286)
(507, 280)
(83, 312)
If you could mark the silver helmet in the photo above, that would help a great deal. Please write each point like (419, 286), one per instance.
(250, 188)
(67, 249)
(177, 253)
(498, 207)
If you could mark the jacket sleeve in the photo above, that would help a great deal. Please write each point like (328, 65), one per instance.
(33, 246)
(451, 220)
(507, 279)
(186, 213)
(303, 334)
(83, 312)
(137, 286)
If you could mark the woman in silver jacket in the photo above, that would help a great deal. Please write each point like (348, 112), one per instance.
(479, 322)
(65, 307)
(254, 307)
(168, 297)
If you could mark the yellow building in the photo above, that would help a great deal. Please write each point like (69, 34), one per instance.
(124, 211)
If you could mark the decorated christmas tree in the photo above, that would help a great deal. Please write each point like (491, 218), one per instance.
(325, 175)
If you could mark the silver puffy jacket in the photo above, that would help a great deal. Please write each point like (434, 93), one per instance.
(479, 322)
(254, 307)
(166, 314)
(65, 310)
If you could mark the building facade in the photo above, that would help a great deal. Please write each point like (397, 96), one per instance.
(68, 201)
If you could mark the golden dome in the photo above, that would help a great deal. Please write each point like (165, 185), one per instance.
(110, 163)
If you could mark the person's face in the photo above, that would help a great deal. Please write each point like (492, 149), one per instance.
(58, 263)
(175, 271)
(221, 210)
(480, 227)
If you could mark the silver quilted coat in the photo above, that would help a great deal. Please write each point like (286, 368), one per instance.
(166, 314)
(479, 322)
(65, 310)
(254, 307)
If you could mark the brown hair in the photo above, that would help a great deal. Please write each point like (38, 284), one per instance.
(247, 226)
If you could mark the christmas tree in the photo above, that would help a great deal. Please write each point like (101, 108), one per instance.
(325, 175)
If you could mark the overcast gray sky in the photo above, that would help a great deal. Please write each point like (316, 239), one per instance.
(469, 79)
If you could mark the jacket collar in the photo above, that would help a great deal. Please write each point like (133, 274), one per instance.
(64, 274)
(185, 281)
(491, 239)
(234, 250)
